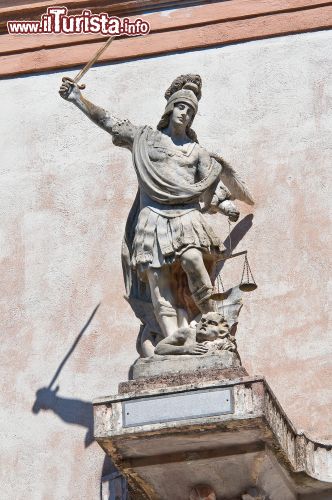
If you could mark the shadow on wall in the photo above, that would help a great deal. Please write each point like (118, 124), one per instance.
(71, 411)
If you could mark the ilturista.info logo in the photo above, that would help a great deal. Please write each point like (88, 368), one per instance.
(56, 20)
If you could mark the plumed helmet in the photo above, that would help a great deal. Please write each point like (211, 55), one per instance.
(187, 95)
(185, 88)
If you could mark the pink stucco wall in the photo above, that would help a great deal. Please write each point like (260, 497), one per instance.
(65, 193)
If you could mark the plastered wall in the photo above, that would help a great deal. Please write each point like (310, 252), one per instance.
(65, 192)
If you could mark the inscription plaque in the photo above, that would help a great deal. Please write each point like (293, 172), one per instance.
(180, 406)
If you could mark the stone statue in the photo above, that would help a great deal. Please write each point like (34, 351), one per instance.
(210, 334)
(169, 250)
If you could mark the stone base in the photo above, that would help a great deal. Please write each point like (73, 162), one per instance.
(165, 365)
(167, 380)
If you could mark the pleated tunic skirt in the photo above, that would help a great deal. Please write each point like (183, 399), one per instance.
(160, 240)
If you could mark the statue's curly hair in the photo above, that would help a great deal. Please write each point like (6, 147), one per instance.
(176, 85)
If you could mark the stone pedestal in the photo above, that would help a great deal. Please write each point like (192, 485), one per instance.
(185, 364)
(167, 434)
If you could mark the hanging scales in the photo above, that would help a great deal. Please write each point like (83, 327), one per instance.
(247, 283)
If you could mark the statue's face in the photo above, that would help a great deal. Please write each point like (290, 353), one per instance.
(182, 115)
(210, 327)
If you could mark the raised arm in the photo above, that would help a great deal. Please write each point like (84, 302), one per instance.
(70, 92)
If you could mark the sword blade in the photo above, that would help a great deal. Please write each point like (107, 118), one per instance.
(93, 60)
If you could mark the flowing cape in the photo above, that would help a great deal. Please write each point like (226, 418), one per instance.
(156, 183)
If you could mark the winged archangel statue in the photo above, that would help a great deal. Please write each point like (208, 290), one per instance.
(169, 250)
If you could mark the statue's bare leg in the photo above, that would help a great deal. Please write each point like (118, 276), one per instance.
(198, 279)
(162, 299)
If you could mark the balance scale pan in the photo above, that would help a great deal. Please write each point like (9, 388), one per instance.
(247, 287)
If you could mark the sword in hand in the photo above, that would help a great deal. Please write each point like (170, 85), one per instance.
(70, 89)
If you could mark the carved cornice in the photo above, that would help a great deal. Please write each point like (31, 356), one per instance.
(191, 25)
(254, 405)
(304, 453)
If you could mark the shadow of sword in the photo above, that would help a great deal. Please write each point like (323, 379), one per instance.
(37, 407)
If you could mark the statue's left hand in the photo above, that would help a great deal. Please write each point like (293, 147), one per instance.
(228, 208)
(234, 215)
